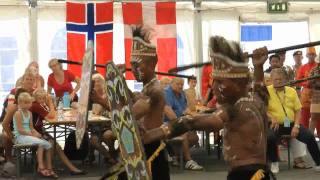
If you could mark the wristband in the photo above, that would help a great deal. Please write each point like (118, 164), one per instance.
(165, 129)
(297, 126)
(218, 114)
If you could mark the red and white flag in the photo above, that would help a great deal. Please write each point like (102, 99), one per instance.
(89, 21)
(161, 16)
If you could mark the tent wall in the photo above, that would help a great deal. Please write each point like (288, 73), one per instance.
(220, 23)
(14, 37)
(39, 34)
(314, 27)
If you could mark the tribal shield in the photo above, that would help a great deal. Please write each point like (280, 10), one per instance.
(124, 125)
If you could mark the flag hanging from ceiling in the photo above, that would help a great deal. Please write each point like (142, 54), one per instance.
(89, 21)
(161, 16)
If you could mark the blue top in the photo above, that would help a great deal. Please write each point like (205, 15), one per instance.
(25, 123)
(177, 104)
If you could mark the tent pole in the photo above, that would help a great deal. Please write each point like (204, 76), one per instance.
(33, 30)
(197, 30)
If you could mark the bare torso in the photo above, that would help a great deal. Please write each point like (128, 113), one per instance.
(245, 134)
(154, 117)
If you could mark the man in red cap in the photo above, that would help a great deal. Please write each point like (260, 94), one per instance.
(304, 72)
(297, 57)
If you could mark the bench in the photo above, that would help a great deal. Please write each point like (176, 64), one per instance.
(20, 149)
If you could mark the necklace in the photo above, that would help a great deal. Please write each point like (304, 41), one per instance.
(148, 84)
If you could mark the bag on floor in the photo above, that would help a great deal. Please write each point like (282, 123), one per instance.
(70, 148)
(8, 170)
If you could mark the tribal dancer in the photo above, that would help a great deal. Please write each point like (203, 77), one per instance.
(242, 115)
(149, 106)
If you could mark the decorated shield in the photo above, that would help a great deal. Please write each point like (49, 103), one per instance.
(85, 86)
(124, 125)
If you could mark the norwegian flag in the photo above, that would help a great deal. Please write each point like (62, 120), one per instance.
(89, 21)
(161, 16)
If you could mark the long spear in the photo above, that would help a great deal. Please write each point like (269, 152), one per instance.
(299, 46)
(293, 82)
(127, 69)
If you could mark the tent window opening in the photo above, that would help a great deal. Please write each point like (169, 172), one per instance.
(8, 57)
(274, 35)
(59, 44)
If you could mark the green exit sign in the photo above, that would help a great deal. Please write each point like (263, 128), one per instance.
(277, 7)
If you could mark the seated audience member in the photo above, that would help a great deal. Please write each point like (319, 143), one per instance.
(176, 106)
(192, 96)
(298, 148)
(25, 133)
(42, 109)
(60, 80)
(100, 95)
(284, 112)
(299, 151)
(164, 82)
(33, 68)
(28, 80)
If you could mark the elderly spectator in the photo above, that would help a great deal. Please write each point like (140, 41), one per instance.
(60, 80)
(164, 82)
(176, 106)
(99, 94)
(284, 112)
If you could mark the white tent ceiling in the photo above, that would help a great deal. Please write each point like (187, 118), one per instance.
(248, 11)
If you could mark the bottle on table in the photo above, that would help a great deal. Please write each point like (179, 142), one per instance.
(53, 99)
(60, 115)
(66, 100)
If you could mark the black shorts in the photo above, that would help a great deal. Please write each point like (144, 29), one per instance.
(97, 130)
(246, 172)
(160, 166)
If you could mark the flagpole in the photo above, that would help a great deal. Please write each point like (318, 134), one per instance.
(127, 69)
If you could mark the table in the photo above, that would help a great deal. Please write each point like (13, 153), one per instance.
(206, 135)
(70, 119)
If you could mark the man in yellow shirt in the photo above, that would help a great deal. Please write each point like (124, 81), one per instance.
(284, 113)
